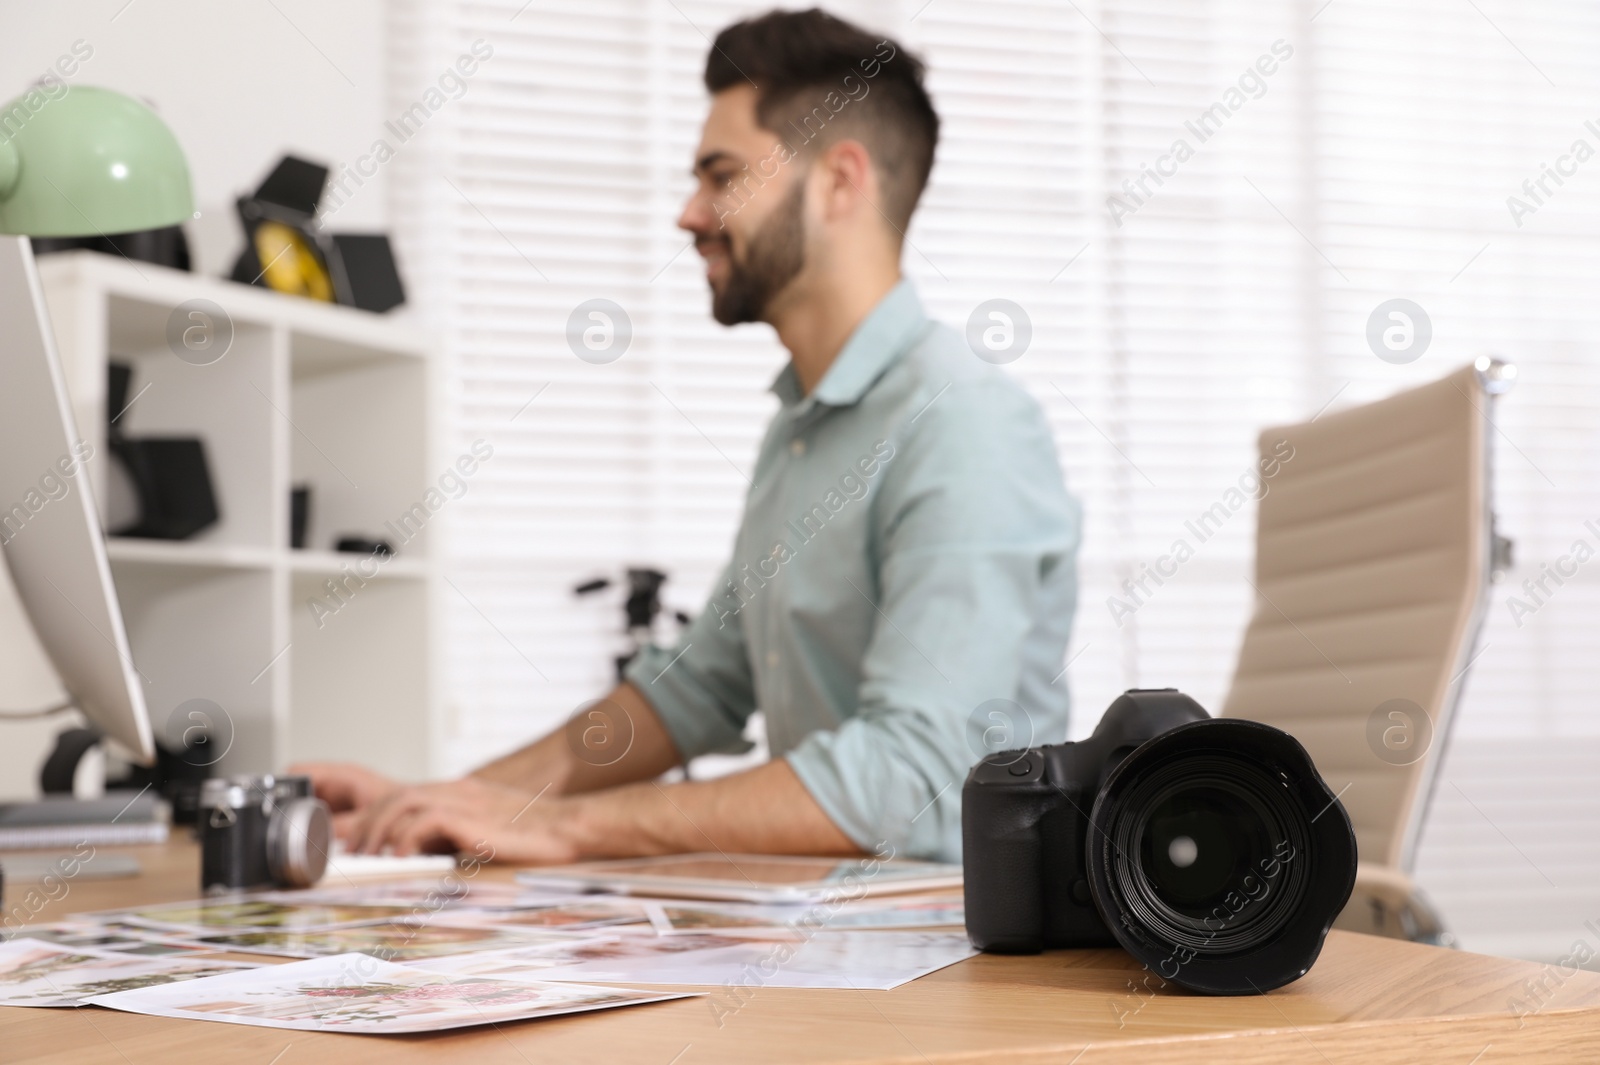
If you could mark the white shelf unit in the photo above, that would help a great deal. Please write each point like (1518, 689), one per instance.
(307, 394)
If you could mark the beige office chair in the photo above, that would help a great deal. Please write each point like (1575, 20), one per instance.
(1375, 547)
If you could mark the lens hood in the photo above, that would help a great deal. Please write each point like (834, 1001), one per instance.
(1278, 857)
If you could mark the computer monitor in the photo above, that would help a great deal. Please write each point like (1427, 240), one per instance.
(49, 524)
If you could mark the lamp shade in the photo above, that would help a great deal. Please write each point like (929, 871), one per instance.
(78, 161)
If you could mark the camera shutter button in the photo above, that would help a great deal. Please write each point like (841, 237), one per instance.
(1021, 768)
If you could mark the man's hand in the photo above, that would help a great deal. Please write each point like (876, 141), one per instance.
(547, 804)
(348, 789)
(462, 816)
(765, 810)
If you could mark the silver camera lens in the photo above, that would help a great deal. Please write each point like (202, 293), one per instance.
(298, 836)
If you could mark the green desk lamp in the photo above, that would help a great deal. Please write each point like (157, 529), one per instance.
(88, 162)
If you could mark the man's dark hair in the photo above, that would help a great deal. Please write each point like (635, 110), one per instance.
(819, 78)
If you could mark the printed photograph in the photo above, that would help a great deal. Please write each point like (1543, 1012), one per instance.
(697, 919)
(614, 951)
(933, 911)
(34, 973)
(352, 993)
(569, 917)
(120, 939)
(232, 913)
(392, 941)
(429, 894)
(876, 960)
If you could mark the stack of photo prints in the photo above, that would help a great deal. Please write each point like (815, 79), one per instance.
(462, 949)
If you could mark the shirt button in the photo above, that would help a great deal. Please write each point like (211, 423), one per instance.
(797, 447)
(772, 659)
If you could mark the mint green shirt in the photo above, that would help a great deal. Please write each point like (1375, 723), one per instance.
(906, 559)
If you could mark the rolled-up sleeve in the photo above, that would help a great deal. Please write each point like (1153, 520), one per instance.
(701, 687)
(975, 582)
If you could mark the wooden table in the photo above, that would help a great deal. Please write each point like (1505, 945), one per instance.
(1367, 1001)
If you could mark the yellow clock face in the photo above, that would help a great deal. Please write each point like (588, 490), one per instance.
(289, 264)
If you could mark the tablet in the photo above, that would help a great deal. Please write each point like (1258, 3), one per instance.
(746, 877)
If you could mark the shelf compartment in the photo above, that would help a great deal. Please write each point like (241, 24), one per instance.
(360, 674)
(199, 634)
(228, 404)
(358, 442)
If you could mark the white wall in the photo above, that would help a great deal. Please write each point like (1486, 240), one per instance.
(240, 84)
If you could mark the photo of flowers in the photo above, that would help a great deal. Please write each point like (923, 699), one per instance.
(638, 951)
(427, 895)
(390, 941)
(35, 973)
(254, 913)
(924, 911)
(872, 960)
(357, 993)
(570, 916)
(119, 939)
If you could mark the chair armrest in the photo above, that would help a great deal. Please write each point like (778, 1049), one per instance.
(1386, 902)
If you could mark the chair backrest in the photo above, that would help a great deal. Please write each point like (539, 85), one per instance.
(1373, 555)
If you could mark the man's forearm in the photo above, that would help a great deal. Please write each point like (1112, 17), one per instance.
(616, 740)
(765, 810)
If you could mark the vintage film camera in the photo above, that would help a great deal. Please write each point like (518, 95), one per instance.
(261, 831)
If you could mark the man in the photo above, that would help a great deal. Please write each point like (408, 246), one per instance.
(907, 550)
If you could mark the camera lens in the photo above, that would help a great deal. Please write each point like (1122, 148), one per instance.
(1205, 845)
(1219, 858)
(1192, 844)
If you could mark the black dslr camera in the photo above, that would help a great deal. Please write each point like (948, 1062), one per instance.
(1209, 849)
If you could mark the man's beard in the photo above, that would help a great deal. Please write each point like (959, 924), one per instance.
(775, 255)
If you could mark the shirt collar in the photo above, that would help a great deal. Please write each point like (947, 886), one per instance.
(881, 338)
